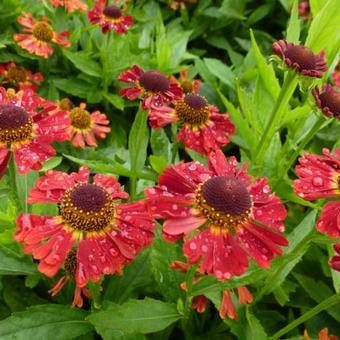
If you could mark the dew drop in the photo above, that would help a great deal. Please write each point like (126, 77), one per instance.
(193, 246)
(318, 181)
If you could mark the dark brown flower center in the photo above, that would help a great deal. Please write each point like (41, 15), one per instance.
(15, 124)
(87, 208)
(70, 263)
(193, 110)
(226, 194)
(17, 74)
(301, 55)
(331, 99)
(80, 118)
(225, 201)
(154, 81)
(43, 31)
(113, 12)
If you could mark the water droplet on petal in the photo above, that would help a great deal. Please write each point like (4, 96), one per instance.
(318, 181)
(266, 189)
(193, 246)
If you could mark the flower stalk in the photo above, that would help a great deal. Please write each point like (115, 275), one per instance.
(287, 90)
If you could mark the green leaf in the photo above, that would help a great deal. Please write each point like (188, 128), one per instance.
(83, 62)
(220, 71)
(44, 322)
(324, 32)
(137, 316)
(255, 330)
(160, 143)
(73, 86)
(138, 141)
(158, 163)
(299, 240)
(51, 163)
(318, 291)
(265, 70)
(115, 100)
(11, 263)
(293, 30)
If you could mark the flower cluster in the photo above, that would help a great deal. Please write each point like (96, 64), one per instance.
(203, 128)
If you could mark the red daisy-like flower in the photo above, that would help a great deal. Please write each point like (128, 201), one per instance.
(39, 35)
(84, 126)
(93, 234)
(155, 87)
(70, 5)
(328, 100)
(26, 132)
(233, 217)
(203, 129)
(319, 177)
(20, 77)
(110, 17)
(301, 58)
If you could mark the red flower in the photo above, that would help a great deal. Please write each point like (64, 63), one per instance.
(336, 75)
(188, 84)
(85, 126)
(38, 36)
(93, 234)
(301, 58)
(233, 216)
(26, 132)
(304, 10)
(155, 88)
(204, 128)
(227, 305)
(319, 177)
(110, 17)
(328, 100)
(20, 77)
(70, 5)
(335, 260)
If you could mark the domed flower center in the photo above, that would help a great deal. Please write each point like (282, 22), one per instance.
(225, 201)
(70, 264)
(17, 74)
(331, 99)
(113, 12)
(66, 104)
(43, 31)
(15, 124)
(87, 208)
(193, 110)
(80, 118)
(154, 81)
(301, 55)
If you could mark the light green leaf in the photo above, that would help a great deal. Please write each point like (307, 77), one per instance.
(137, 316)
(265, 70)
(138, 141)
(44, 322)
(324, 32)
(220, 71)
(293, 30)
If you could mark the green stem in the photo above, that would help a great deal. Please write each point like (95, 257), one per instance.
(12, 172)
(286, 92)
(331, 301)
(315, 128)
